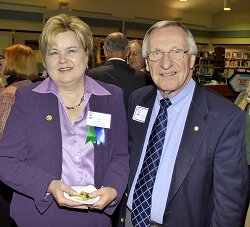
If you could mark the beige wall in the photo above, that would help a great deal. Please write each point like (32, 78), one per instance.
(232, 21)
(129, 10)
(137, 10)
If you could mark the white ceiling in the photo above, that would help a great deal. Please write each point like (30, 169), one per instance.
(206, 13)
(201, 6)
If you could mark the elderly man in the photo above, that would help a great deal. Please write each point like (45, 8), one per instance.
(188, 160)
(135, 58)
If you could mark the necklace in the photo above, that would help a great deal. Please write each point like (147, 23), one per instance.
(74, 107)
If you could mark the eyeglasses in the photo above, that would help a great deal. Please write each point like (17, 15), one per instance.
(175, 54)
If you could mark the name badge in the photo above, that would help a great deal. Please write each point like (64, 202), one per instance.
(96, 119)
(140, 114)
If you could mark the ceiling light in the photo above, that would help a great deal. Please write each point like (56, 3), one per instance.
(183, 0)
(227, 4)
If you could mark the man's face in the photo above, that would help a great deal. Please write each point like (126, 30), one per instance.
(135, 59)
(169, 74)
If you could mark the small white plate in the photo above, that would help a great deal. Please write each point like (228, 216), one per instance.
(89, 189)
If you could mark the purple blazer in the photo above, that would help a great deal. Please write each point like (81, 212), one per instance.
(31, 157)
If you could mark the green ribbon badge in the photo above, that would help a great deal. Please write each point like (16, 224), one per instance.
(91, 135)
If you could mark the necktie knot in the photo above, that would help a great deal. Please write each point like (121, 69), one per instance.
(165, 103)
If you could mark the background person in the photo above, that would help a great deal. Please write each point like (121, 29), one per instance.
(201, 172)
(2, 83)
(52, 140)
(2, 78)
(135, 58)
(243, 101)
(115, 70)
(19, 66)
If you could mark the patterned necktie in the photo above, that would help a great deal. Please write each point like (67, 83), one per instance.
(141, 205)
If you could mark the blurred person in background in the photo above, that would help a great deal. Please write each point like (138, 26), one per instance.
(135, 58)
(116, 71)
(243, 101)
(3, 82)
(67, 130)
(19, 68)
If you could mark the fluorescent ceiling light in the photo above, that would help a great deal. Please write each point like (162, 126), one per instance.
(227, 4)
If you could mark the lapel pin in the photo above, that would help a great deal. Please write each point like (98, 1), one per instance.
(196, 128)
(49, 117)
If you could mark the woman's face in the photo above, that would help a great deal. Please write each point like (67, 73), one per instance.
(3, 63)
(66, 60)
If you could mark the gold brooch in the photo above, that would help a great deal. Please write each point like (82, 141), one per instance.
(49, 117)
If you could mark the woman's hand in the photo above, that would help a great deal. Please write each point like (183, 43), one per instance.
(57, 189)
(107, 196)
(246, 97)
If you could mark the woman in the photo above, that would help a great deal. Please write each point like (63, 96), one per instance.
(68, 130)
(243, 101)
(2, 79)
(19, 68)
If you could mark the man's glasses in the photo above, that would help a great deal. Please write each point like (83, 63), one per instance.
(175, 54)
(134, 54)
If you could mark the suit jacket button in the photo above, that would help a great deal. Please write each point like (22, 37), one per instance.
(122, 220)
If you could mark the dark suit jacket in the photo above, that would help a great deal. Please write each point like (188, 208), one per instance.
(119, 73)
(209, 182)
(31, 157)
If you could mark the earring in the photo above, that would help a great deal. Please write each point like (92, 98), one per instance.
(86, 70)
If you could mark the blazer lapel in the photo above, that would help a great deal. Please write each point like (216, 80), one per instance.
(99, 105)
(140, 129)
(193, 134)
(50, 122)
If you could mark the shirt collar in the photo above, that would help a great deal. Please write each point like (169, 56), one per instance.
(91, 87)
(117, 59)
(178, 100)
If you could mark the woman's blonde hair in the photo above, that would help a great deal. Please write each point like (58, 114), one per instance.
(63, 23)
(20, 62)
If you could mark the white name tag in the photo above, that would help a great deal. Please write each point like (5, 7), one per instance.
(140, 114)
(98, 119)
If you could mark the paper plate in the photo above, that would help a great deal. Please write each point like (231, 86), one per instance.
(89, 189)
